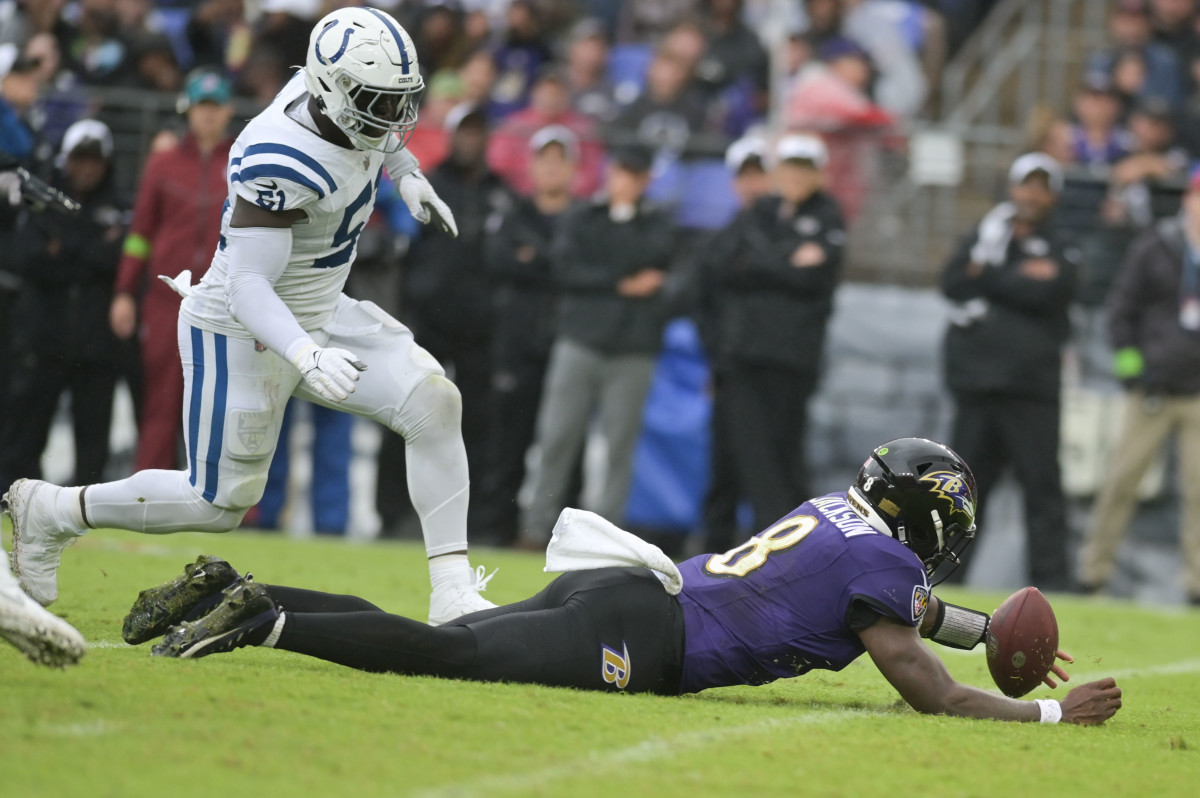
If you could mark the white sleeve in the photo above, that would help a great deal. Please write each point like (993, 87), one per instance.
(400, 163)
(257, 257)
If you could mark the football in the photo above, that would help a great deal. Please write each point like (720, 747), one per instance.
(1021, 640)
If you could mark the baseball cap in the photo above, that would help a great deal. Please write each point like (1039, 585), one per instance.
(87, 135)
(205, 85)
(1033, 162)
(463, 112)
(555, 134)
(802, 147)
(743, 150)
(633, 158)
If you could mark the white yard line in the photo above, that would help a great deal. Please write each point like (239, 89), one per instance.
(651, 749)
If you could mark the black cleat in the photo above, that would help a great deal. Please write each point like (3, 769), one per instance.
(246, 608)
(159, 608)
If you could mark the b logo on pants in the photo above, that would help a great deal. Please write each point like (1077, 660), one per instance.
(615, 666)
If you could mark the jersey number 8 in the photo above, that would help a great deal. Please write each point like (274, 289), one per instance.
(754, 552)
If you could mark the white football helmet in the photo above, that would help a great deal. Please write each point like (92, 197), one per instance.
(362, 68)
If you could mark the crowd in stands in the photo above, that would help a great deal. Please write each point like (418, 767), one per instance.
(570, 139)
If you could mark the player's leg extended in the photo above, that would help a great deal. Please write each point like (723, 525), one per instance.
(234, 397)
(405, 389)
(606, 629)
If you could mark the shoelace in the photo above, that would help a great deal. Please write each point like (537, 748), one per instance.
(481, 581)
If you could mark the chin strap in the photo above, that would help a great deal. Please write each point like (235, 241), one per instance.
(959, 627)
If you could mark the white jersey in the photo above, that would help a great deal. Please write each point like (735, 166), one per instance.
(280, 164)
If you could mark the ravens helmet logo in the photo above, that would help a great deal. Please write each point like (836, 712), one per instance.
(956, 491)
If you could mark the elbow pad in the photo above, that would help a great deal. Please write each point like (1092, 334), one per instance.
(959, 627)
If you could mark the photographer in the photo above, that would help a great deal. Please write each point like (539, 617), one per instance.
(60, 338)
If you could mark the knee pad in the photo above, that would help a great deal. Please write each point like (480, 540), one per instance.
(434, 404)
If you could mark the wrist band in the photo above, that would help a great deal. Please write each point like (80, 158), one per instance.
(958, 627)
(1051, 710)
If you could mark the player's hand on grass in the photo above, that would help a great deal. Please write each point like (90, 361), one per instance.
(330, 372)
(1092, 703)
(1057, 670)
(424, 203)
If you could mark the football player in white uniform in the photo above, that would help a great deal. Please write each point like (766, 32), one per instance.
(269, 320)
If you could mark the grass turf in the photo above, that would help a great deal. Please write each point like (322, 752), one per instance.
(273, 723)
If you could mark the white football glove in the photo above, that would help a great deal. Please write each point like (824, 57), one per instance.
(330, 372)
(424, 203)
(995, 231)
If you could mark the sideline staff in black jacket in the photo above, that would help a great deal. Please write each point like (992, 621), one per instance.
(1013, 280)
(767, 297)
(610, 262)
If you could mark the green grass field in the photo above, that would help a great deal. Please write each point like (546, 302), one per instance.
(267, 723)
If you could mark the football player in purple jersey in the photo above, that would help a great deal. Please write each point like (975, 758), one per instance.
(840, 575)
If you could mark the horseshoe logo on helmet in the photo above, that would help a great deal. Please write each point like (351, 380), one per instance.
(341, 50)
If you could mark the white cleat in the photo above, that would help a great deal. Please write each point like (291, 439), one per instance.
(455, 600)
(38, 540)
(40, 635)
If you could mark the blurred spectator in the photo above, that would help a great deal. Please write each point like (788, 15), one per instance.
(1152, 164)
(647, 20)
(834, 92)
(440, 38)
(61, 100)
(18, 92)
(1054, 136)
(592, 93)
(329, 488)
(1012, 281)
(734, 70)
(769, 284)
(218, 35)
(1154, 329)
(1097, 139)
(671, 109)
(280, 43)
(1173, 24)
(518, 259)
(154, 65)
(745, 160)
(610, 260)
(447, 292)
(1188, 113)
(900, 85)
(175, 226)
(25, 18)
(1129, 30)
(519, 56)
(60, 331)
(93, 47)
(550, 104)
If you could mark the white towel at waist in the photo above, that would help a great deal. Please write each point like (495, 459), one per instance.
(582, 540)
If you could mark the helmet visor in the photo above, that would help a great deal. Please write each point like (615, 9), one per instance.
(383, 118)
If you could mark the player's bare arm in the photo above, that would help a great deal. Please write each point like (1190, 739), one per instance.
(924, 683)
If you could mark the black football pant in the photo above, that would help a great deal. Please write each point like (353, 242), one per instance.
(767, 410)
(602, 629)
(37, 382)
(993, 432)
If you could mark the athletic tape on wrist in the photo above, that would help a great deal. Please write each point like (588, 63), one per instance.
(1051, 710)
(958, 627)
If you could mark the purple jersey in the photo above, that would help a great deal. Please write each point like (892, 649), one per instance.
(790, 598)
